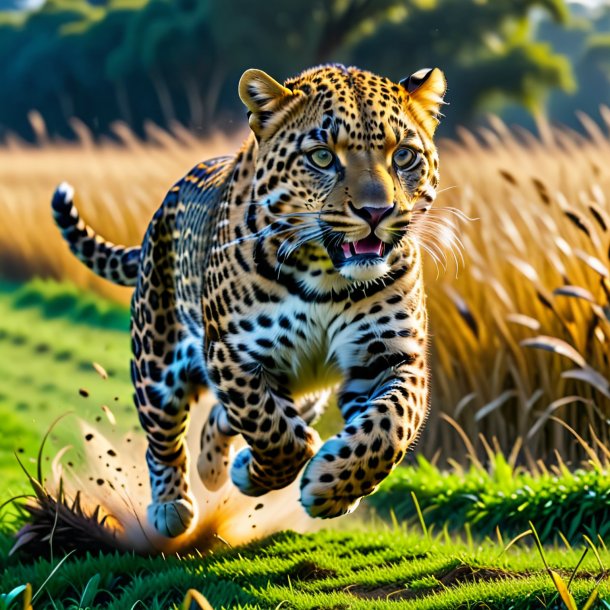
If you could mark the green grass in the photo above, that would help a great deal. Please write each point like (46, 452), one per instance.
(390, 569)
(573, 503)
(50, 335)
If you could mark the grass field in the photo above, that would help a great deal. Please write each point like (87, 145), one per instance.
(370, 569)
(50, 337)
(52, 333)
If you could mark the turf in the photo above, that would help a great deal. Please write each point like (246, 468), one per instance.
(51, 333)
(557, 501)
(380, 569)
(50, 336)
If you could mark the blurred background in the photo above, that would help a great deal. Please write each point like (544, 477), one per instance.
(154, 60)
(122, 97)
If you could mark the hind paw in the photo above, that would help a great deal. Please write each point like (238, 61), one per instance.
(240, 474)
(171, 518)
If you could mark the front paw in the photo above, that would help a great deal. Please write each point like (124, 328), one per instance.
(345, 469)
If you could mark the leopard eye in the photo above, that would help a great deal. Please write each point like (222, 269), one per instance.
(405, 158)
(321, 157)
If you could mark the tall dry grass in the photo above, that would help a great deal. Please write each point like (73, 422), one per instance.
(119, 184)
(521, 336)
(535, 279)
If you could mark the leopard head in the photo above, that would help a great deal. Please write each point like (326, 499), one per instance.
(343, 159)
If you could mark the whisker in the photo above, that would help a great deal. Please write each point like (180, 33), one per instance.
(447, 188)
(295, 214)
(438, 228)
(286, 248)
(451, 210)
(302, 233)
(432, 245)
(434, 257)
(263, 233)
(430, 239)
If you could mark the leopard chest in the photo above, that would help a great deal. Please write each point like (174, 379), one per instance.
(291, 340)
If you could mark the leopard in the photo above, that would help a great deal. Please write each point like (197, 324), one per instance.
(282, 278)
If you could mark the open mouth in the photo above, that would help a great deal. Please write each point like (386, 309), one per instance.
(367, 250)
(369, 246)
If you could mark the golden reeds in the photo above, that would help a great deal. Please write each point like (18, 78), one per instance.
(119, 184)
(535, 278)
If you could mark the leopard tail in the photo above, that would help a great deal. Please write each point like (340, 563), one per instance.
(116, 263)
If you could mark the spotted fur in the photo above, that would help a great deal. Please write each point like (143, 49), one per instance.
(274, 280)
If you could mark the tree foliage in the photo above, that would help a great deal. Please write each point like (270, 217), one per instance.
(165, 60)
(586, 41)
(486, 48)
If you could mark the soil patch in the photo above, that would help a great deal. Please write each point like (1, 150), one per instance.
(455, 576)
(308, 570)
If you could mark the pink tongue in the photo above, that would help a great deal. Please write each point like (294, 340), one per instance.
(369, 245)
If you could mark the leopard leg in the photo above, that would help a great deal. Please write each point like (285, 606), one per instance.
(165, 357)
(260, 409)
(216, 449)
(164, 413)
(278, 448)
(384, 402)
(163, 408)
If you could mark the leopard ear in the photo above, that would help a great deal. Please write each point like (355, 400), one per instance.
(264, 98)
(426, 89)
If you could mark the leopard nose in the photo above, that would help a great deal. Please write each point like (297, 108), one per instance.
(373, 214)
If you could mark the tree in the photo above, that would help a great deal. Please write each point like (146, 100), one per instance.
(166, 60)
(486, 49)
(586, 43)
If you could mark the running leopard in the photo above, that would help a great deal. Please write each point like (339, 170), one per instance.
(276, 276)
